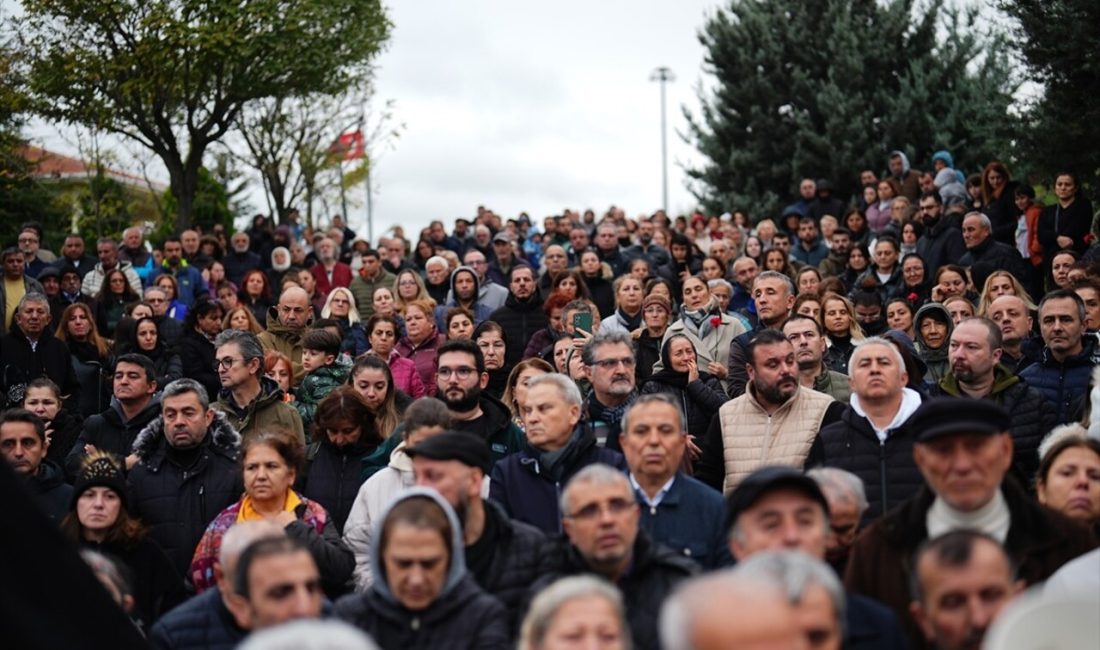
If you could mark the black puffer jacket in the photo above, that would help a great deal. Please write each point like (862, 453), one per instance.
(49, 358)
(1032, 417)
(887, 469)
(655, 571)
(109, 431)
(197, 354)
(462, 616)
(202, 623)
(521, 320)
(334, 476)
(50, 490)
(521, 556)
(177, 503)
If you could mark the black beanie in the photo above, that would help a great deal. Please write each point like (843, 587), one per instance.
(99, 469)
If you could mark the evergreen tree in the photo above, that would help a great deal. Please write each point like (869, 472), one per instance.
(1060, 42)
(828, 88)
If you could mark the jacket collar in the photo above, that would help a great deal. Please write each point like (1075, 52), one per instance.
(151, 445)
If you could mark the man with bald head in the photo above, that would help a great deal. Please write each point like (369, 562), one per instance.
(286, 323)
(555, 261)
(1013, 316)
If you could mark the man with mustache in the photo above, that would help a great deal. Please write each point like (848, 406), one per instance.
(774, 422)
(609, 358)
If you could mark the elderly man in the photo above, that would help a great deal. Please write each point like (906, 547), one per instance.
(609, 358)
(504, 258)
(773, 299)
(250, 401)
(1012, 315)
(984, 254)
(961, 581)
(169, 329)
(190, 241)
(107, 251)
(23, 444)
(186, 470)
(847, 503)
(527, 483)
(30, 350)
(744, 270)
(133, 250)
(813, 589)
(437, 278)
(677, 510)
(874, 437)
(964, 451)
(329, 271)
(522, 314)
(240, 259)
(1064, 369)
(555, 261)
(504, 556)
(775, 421)
(780, 509)
(974, 354)
(286, 322)
(600, 521)
(16, 284)
(809, 342)
(205, 622)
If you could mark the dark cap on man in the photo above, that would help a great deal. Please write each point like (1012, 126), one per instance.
(466, 448)
(948, 416)
(768, 479)
(502, 236)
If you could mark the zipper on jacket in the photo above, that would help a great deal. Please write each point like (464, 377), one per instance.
(882, 471)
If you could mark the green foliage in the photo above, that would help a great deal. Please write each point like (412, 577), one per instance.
(1060, 42)
(172, 75)
(828, 88)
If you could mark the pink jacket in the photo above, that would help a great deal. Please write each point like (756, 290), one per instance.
(424, 357)
(405, 376)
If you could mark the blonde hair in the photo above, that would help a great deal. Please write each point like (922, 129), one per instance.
(854, 330)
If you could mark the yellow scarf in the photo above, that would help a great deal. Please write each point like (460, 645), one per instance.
(248, 511)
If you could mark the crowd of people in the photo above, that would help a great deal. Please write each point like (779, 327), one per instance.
(867, 423)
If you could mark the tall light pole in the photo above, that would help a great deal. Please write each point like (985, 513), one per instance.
(663, 75)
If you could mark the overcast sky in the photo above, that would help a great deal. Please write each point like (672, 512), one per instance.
(527, 107)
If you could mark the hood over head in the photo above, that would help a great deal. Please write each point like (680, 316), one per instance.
(904, 160)
(477, 282)
(932, 310)
(457, 569)
(945, 156)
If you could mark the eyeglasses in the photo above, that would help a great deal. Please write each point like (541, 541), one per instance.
(593, 510)
(610, 364)
(28, 240)
(227, 363)
(462, 372)
(155, 301)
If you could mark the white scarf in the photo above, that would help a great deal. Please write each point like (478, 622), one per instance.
(993, 518)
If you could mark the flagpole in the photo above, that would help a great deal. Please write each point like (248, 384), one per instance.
(343, 198)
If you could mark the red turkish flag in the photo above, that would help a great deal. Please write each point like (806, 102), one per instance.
(350, 145)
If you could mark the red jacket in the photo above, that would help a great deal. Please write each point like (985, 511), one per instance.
(341, 277)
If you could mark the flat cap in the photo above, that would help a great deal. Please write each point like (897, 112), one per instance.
(948, 416)
(466, 448)
(765, 480)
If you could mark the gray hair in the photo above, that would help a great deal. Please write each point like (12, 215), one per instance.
(691, 600)
(567, 388)
(241, 536)
(34, 297)
(310, 634)
(875, 340)
(186, 385)
(249, 343)
(719, 282)
(605, 337)
(982, 219)
(656, 398)
(436, 259)
(153, 289)
(794, 573)
(842, 484)
(550, 600)
(776, 275)
(597, 474)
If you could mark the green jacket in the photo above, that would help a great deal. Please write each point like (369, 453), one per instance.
(281, 338)
(834, 384)
(362, 290)
(317, 385)
(267, 410)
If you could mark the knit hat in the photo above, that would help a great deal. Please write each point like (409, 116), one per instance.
(657, 299)
(99, 469)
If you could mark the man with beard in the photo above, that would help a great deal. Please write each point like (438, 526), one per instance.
(973, 355)
(504, 556)
(774, 422)
(240, 259)
(329, 271)
(942, 241)
(186, 471)
(656, 255)
(834, 265)
(1012, 315)
(461, 379)
(868, 308)
(806, 336)
(522, 314)
(609, 358)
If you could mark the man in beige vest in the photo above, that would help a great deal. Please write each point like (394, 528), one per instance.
(773, 423)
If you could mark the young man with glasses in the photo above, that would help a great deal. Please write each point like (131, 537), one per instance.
(461, 379)
(250, 401)
(600, 520)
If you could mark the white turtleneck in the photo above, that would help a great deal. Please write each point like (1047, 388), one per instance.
(993, 518)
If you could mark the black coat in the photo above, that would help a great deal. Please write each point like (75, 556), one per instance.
(178, 503)
(464, 617)
(1003, 213)
(887, 469)
(699, 399)
(647, 352)
(333, 477)
(202, 623)
(603, 294)
(520, 320)
(197, 354)
(941, 244)
(109, 432)
(655, 571)
(992, 255)
(1074, 222)
(64, 430)
(51, 491)
(50, 358)
(93, 375)
(156, 584)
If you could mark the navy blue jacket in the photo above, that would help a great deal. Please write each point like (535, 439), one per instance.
(528, 490)
(202, 623)
(871, 625)
(690, 520)
(1064, 384)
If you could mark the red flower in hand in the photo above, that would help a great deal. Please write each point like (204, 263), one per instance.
(912, 297)
(715, 321)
